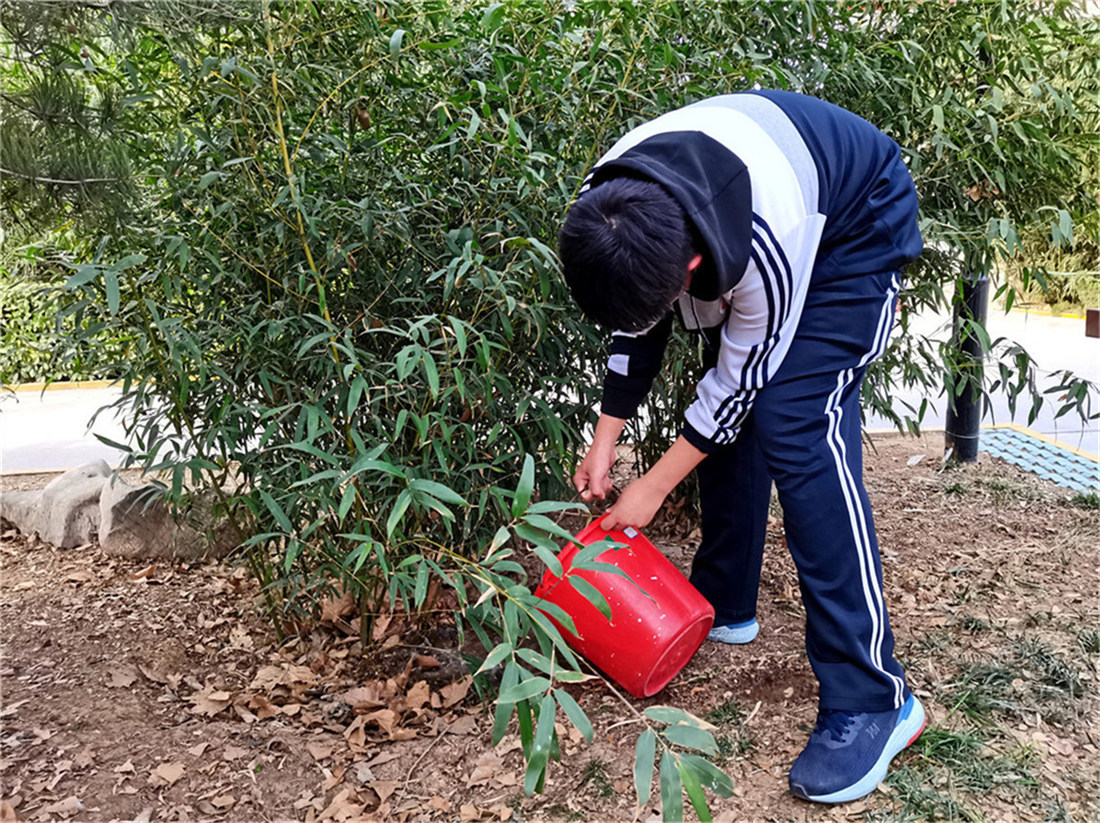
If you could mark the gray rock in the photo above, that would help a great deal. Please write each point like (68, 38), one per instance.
(20, 510)
(136, 523)
(66, 512)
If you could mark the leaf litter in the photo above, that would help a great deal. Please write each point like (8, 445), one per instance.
(203, 715)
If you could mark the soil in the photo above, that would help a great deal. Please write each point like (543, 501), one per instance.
(159, 692)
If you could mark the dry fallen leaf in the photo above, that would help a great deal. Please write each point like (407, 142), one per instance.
(7, 812)
(439, 804)
(210, 701)
(321, 749)
(125, 768)
(223, 801)
(263, 707)
(455, 692)
(122, 678)
(198, 749)
(418, 695)
(339, 604)
(426, 661)
(385, 788)
(467, 724)
(66, 808)
(146, 572)
(234, 753)
(167, 773)
(488, 766)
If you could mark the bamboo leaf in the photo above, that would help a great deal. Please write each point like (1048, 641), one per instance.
(672, 795)
(644, 752)
(575, 713)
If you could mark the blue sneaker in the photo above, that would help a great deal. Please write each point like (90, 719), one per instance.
(736, 634)
(849, 752)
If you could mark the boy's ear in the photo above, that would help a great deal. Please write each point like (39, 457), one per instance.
(695, 262)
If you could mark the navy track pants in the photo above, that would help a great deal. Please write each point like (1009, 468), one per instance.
(805, 435)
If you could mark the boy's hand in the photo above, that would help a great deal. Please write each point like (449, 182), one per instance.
(593, 476)
(635, 507)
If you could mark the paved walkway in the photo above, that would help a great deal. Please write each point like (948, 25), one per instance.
(53, 430)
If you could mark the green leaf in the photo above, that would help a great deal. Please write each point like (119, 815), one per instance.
(708, 775)
(672, 794)
(670, 714)
(398, 511)
(691, 737)
(396, 39)
(694, 792)
(499, 652)
(110, 281)
(276, 512)
(547, 556)
(85, 273)
(523, 690)
(525, 487)
(547, 506)
(575, 713)
(540, 752)
(503, 712)
(493, 16)
(438, 490)
(541, 521)
(644, 753)
(590, 593)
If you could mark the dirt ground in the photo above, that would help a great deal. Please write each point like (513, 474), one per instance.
(159, 692)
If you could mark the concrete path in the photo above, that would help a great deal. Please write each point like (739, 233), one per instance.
(52, 430)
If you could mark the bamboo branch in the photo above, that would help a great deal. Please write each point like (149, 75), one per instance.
(82, 182)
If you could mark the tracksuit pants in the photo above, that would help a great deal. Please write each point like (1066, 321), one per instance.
(805, 435)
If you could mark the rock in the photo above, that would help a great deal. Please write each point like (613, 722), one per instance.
(66, 512)
(136, 523)
(129, 521)
(19, 510)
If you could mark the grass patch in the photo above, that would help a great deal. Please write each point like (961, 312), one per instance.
(945, 775)
(594, 774)
(1002, 490)
(1055, 677)
(970, 623)
(1089, 641)
(559, 811)
(1086, 500)
(740, 741)
(735, 745)
(1035, 679)
(726, 713)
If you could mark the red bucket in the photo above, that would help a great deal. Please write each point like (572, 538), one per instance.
(650, 636)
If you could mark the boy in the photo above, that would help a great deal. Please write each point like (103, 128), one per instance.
(775, 225)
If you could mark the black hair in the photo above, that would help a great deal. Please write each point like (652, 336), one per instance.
(625, 249)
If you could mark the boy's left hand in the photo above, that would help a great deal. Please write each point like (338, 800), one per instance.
(635, 507)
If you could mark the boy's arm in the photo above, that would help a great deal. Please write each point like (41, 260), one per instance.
(593, 476)
(634, 362)
(642, 498)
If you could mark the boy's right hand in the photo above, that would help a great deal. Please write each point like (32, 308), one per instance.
(593, 476)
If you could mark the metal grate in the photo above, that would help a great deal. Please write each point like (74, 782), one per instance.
(1048, 460)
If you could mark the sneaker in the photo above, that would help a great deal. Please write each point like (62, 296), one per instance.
(736, 634)
(849, 752)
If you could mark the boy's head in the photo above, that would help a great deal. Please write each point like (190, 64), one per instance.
(625, 251)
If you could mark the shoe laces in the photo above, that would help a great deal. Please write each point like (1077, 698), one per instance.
(835, 723)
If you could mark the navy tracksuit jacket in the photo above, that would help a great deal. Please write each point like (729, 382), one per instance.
(807, 215)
